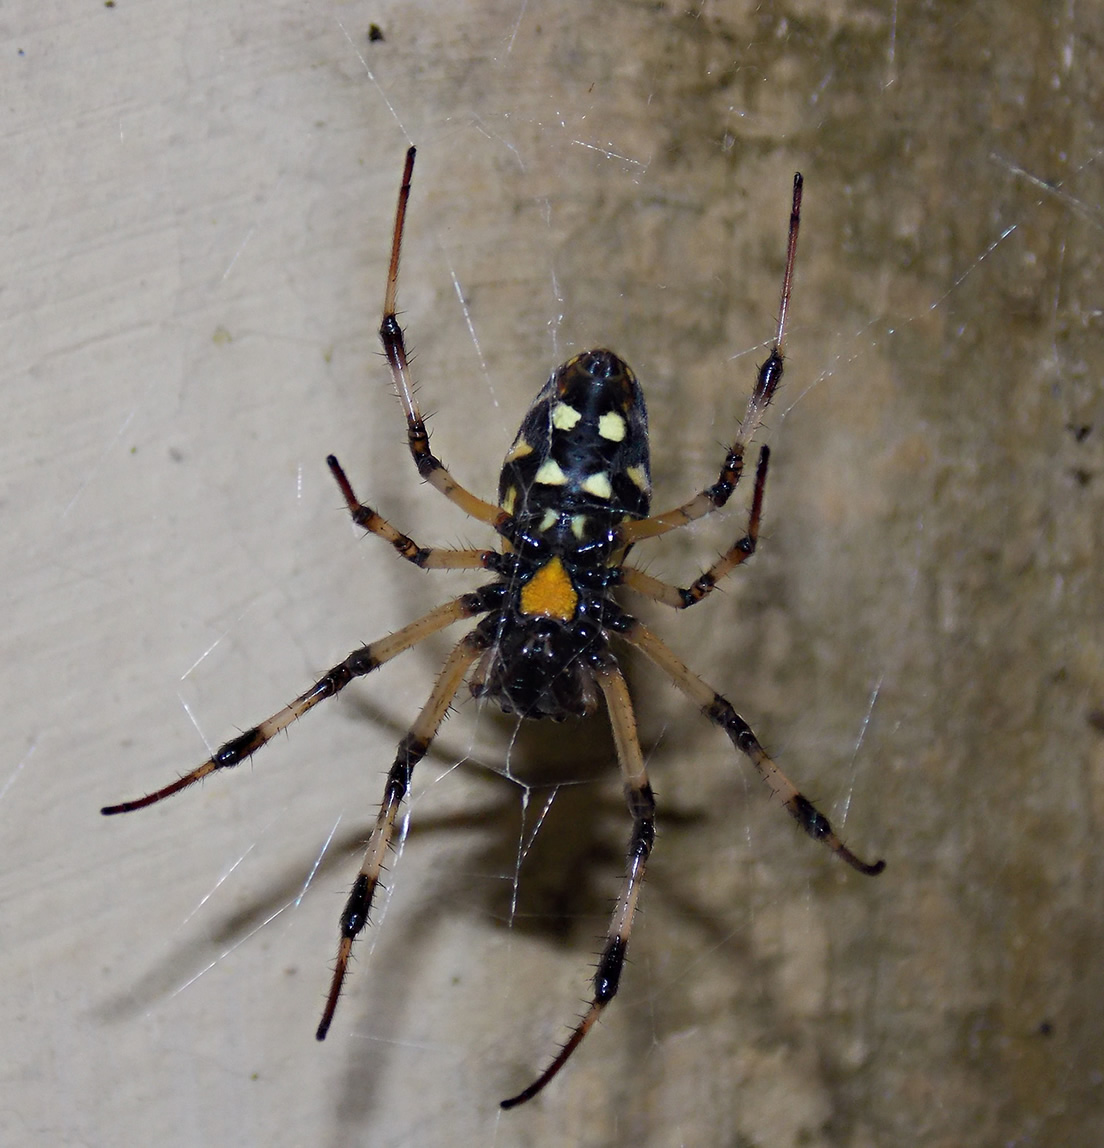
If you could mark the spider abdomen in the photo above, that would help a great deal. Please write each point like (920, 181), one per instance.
(581, 453)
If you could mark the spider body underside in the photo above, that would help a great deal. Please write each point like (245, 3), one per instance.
(574, 497)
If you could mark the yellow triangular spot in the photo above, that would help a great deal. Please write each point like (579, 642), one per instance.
(550, 593)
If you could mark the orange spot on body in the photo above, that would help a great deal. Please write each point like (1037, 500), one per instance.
(549, 593)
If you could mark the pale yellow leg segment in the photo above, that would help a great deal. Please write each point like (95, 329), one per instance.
(641, 802)
(770, 375)
(411, 750)
(680, 597)
(358, 663)
(720, 711)
(426, 557)
(429, 465)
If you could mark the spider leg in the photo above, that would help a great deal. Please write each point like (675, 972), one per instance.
(680, 597)
(430, 467)
(770, 375)
(359, 662)
(412, 749)
(720, 711)
(427, 557)
(641, 802)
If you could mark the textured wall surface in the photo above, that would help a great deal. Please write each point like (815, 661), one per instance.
(196, 209)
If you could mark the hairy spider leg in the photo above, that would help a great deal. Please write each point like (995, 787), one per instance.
(430, 467)
(770, 375)
(641, 802)
(721, 712)
(425, 557)
(357, 664)
(555, 570)
(680, 597)
(412, 749)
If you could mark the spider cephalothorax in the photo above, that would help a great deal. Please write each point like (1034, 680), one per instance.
(574, 497)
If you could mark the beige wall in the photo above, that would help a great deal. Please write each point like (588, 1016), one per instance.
(196, 208)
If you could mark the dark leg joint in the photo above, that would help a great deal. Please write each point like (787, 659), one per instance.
(336, 680)
(698, 590)
(485, 598)
(820, 829)
(361, 662)
(419, 445)
(355, 916)
(608, 975)
(770, 375)
(641, 801)
(642, 807)
(411, 750)
(238, 749)
(643, 839)
(810, 818)
(721, 712)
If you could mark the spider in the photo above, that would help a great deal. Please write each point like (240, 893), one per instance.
(574, 497)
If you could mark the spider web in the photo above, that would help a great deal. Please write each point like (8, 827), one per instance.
(198, 209)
